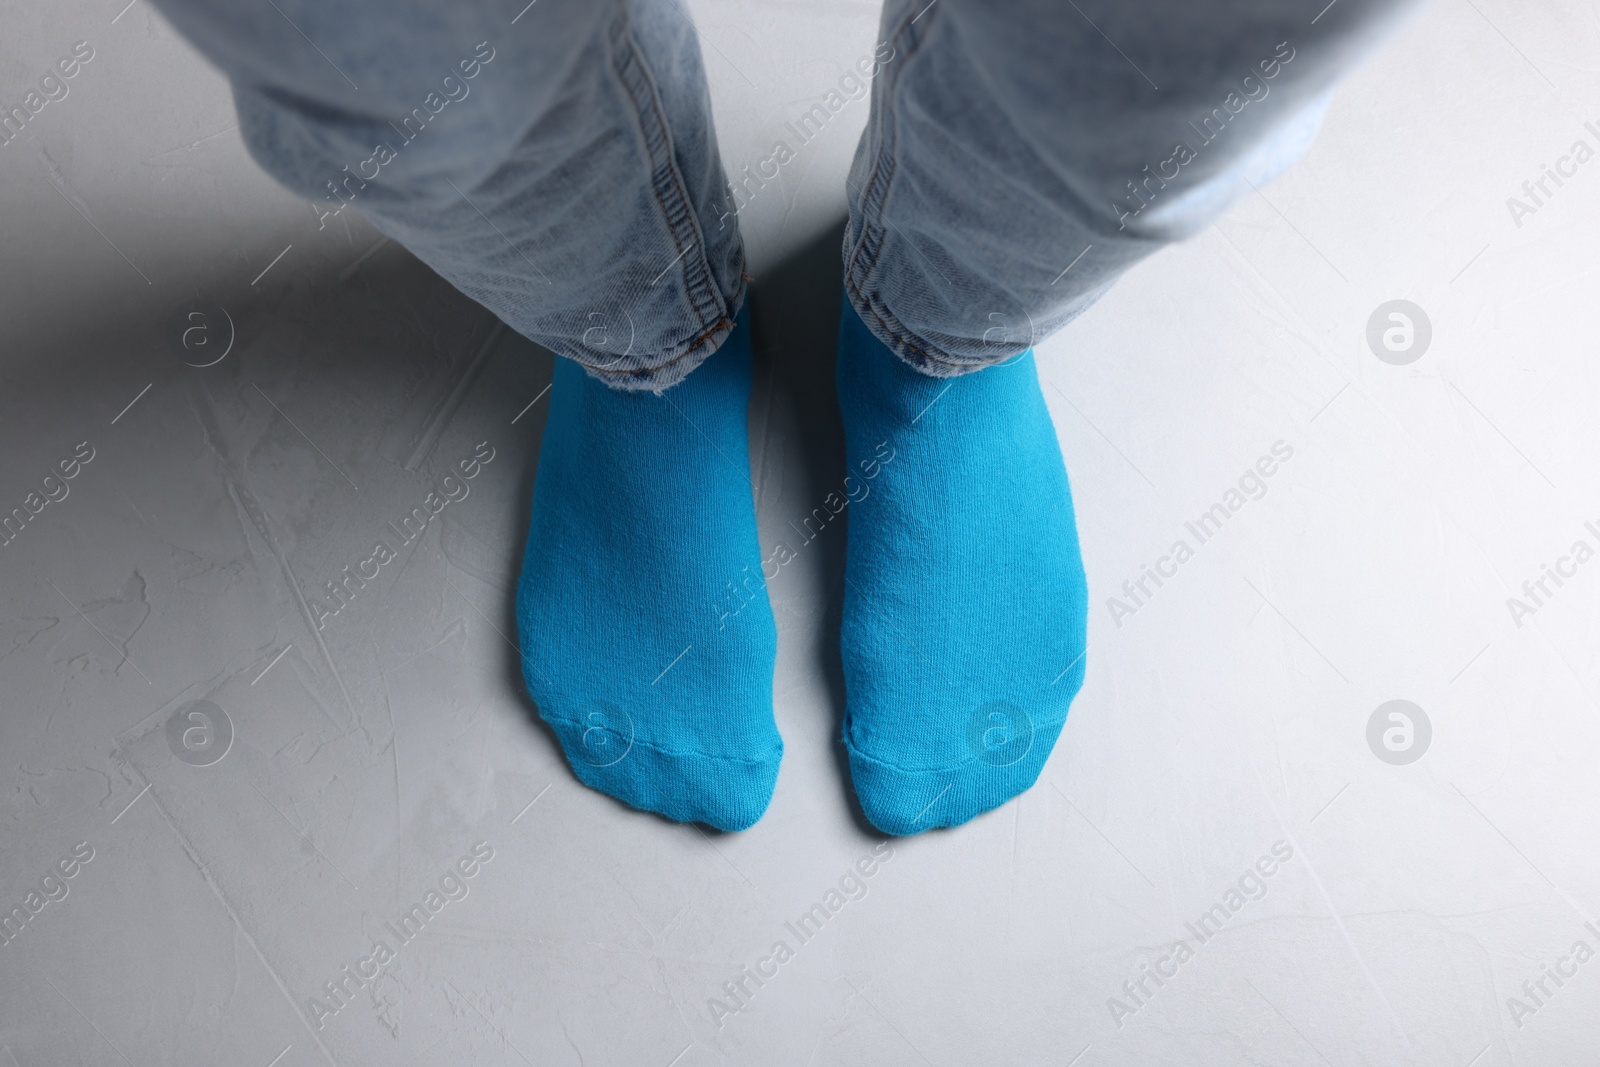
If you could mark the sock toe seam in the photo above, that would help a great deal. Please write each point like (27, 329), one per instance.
(945, 769)
(777, 752)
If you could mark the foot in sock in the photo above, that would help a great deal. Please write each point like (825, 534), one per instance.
(965, 604)
(661, 695)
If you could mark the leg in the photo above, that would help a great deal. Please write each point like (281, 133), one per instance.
(1016, 164)
(561, 170)
(559, 166)
(1008, 138)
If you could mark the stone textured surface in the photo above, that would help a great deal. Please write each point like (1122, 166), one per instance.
(377, 757)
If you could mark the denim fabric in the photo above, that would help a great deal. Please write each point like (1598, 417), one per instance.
(559, 164)
(561, 169)
(1023, 154)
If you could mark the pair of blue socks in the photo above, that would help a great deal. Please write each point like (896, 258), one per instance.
(965, 605)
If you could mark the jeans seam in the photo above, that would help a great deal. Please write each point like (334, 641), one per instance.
(671, 194)
(873, 196)
(871, 241)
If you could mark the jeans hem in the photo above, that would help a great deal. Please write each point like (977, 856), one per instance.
(906, 346)
(675, 368)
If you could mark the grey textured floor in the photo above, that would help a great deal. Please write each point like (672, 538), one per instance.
(1223, 732)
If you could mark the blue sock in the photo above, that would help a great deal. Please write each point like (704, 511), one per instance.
(647, 639)
(965, 604)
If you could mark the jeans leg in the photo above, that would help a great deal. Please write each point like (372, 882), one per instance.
(559, 165)
(1023, 154)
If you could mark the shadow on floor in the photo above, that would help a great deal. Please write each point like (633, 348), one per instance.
(798, 444)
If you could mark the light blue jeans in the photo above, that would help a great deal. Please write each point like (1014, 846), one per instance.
(558, 163)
